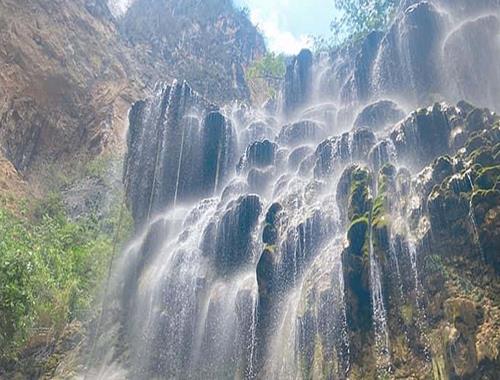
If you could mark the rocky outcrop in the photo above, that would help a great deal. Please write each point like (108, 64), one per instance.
(379, 115)
(208, 44)
(232, 247)
(297, 86)
(67, 81)
(179, 149)
(71, 71)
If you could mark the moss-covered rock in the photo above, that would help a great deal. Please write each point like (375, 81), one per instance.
(360, 200)
(459, 337)
(357, 235)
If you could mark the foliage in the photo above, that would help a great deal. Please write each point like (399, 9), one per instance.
(270, 67)
(265, 74)
(50, 268)
(354, 19)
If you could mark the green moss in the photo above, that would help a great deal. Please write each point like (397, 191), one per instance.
(359, 194)
(407, 314)
(488, 177)
(271, 248)
(488, 197)
(357, 234)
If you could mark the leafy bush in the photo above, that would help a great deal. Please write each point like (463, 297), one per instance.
(50, 268)
(265, 74)
(354, 19)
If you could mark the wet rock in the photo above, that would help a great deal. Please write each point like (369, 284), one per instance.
(181, 158)
(379, 115)
(270, 233)
(465, 107)
(331, 154)
(442, 168)
(423, 135)
(232, 247)
(259, 154)
(297, 156)
(382, 153)
(355, 264)
(446, 207)
(363, 141)
(487, 218)
(297, 86)
(360, 200)
(301, 132)
(354, 193)
(478, 119)
(459, 338)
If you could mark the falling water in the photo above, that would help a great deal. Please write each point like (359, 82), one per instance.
(382, 350)
(477, 239)
(238, 270)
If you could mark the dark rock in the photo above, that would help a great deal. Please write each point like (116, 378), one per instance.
(233, 236)
(442, 168)
(478, 119)
(331, 155)
(381, 154)
(297, 85)
(465, 107)
(379, 115)
(259, 154)
(301, 132)
(423, 135)
(172, 157)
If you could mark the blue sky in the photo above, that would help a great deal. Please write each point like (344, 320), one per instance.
(287, 24)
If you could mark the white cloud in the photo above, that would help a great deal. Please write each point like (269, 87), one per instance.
(119, 7)
(278, 40)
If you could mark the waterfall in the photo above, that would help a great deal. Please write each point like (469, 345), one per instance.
(382, 349)
(259, 251)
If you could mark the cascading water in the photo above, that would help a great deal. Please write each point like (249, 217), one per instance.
(261, 252)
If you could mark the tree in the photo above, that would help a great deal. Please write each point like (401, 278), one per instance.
(264, 76)
(356, 18)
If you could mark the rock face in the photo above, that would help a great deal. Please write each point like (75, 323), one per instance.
(179, 149)
(71, 71)
(330, 249)
(433, 50)
(297, 90)
(348, 266)
(206, 43)
(379, 115)
(65, 85)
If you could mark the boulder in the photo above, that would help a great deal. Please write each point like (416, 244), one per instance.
(379, 115)
(301, 132)
(229, 240)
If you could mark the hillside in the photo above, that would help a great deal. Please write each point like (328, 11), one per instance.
(70, 70)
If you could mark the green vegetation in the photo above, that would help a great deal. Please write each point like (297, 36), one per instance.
(265, 74)
(354, 19)
(50, 268)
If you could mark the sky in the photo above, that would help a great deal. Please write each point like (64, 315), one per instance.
(288, 24)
